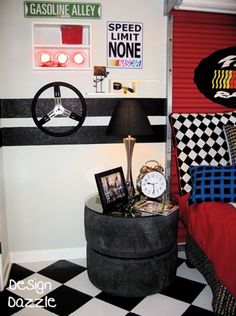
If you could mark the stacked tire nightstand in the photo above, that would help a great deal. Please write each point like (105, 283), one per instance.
(130, 256)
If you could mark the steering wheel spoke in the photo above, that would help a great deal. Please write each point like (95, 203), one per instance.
(47, 118)
(66, 113)
(44, 120)
(75, 116)
(58, 109)
(57, 91)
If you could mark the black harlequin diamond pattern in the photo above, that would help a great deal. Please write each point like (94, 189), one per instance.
(122, 302)
(78, 296)
(62, 271)
(18, 273)
(184, 289)
(196, 311)
(7, 303)
(200, 140)
(66, 300)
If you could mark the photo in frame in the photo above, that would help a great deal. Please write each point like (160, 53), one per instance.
(112, 189)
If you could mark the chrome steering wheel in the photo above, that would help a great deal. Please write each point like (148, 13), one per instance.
(73, 110)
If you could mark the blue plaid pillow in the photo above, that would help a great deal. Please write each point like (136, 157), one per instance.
(213, 183)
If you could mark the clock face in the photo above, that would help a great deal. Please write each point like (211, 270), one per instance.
(153, 184)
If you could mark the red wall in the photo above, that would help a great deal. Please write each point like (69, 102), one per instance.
(196, 35)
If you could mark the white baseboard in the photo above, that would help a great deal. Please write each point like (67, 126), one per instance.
(5, 268)
(48, 254)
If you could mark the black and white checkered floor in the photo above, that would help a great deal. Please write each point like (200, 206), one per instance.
(63, 288)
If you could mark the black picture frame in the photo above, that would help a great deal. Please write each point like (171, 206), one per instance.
(112, 189)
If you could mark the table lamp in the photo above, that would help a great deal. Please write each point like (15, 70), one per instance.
(129, 119)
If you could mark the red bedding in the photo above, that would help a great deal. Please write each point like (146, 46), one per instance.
(213, 226)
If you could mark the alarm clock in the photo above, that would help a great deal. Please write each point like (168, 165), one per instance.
(151, 181)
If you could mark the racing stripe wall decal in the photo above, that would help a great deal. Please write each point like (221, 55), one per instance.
(225, 79)
(18, 128)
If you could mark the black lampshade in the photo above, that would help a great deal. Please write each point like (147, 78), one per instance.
(129, 118)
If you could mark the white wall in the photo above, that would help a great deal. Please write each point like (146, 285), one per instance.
(3, 227)
(45, 186)
(21, 81)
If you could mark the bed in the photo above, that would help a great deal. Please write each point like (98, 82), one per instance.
(205, 147)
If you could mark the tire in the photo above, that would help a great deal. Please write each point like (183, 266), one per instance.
(131, 277)
(130, 237)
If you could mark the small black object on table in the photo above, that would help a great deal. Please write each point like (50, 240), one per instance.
(130, 256)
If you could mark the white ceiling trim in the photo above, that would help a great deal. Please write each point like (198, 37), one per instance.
(217, 6)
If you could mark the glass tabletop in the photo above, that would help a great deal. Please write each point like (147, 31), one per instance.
(93, 203)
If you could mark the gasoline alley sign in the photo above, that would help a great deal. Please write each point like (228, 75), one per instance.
(62, 9)
(124, 45)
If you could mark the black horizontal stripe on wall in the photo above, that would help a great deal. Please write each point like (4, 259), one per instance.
(96, 107)
(22, 136)
(21, 108)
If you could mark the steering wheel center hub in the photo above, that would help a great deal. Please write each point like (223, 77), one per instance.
(59, 109)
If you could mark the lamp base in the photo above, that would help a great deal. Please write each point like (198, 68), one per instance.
(129, 143)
